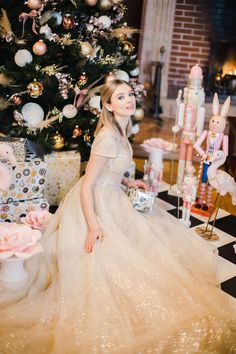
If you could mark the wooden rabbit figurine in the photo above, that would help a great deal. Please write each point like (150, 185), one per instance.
(215, 140)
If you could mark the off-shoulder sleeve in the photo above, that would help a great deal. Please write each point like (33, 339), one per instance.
(105, 144)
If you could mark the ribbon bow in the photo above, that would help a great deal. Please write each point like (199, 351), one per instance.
(24, 17)
(79, 96)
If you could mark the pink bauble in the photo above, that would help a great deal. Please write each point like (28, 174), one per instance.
(91, 2)
(34, 4)
(39, 48)
(195, 73)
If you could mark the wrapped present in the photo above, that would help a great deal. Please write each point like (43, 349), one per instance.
(28, 181)
(18, 145)
(13, 211)
(141, 200)
(63, 171)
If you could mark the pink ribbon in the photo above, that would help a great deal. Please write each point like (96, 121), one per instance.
(24, 17)
(79, 96)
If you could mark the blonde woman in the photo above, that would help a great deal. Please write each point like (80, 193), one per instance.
(120, 281)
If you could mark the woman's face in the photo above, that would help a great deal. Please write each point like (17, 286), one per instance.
(123, 102)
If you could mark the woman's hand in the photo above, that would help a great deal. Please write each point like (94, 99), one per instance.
(137, 184)
(92, 236)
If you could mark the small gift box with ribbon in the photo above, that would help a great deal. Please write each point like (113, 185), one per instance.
(18, 145)
(141, 200)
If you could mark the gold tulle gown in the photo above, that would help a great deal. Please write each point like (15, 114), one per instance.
(148, 287)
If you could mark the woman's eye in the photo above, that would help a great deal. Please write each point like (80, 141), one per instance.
(131, 94)
(120, 97)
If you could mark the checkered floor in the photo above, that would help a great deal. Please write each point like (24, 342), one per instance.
(225, 228)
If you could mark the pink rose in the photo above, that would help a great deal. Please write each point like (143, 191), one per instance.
(37, 219)
(19, 240)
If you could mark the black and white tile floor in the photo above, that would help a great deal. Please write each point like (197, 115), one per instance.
(225, 228)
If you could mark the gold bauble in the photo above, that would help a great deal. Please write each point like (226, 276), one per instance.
(35, 89)
(34, 4)
(39, 48)
(91, 2)
(127, 47)
(86, 49)
(138, 114)
(57, 141)
(105, 4)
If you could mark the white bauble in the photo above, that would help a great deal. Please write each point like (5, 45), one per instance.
(86, 49)
(34, 4)
(45, 30)
(95, 102)
(104, 21)
(135, 129)
(69, 111)
(138, 114)
(33, 114)
(134, 72)
(122, 75)
(23, 57)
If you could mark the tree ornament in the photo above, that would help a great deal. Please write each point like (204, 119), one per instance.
(127, 47)
(86, 49)
(35, 89)
(138, 114)
(49, 14)
(122, 75)
(91, 2)
(39, 48)
(69, 111)
(16, 99)
(82, 80)
(77, 132)
(104, 22)
(134, 72)
(135, 129)
(33, 114)
(23, 57)
(105, 4)
(110, 77)
(95, 102)
(45, 30)
(116, 2)
(68, 22)
(57, 141)
(34, 4)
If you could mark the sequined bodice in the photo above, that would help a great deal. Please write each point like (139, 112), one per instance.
(119, 156)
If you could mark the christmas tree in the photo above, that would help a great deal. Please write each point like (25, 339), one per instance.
(55, 55)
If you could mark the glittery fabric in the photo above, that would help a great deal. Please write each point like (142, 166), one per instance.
(148, 287)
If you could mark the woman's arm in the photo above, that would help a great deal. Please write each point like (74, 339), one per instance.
(94, 168)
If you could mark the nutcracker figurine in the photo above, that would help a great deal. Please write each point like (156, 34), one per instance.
(215, 139)
(189, 190)
(190, 118)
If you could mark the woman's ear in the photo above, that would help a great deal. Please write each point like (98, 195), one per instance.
(108, 106)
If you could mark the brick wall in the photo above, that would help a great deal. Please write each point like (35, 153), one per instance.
(190, 42)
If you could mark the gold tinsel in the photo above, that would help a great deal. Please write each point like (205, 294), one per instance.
(123, 32)
(4, 80)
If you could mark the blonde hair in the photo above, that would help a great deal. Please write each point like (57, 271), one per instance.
(107, 118)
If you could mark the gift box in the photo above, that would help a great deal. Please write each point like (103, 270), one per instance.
(141, 200)
(28, 181)
(18, 145)
(13, 211)
(63, 171)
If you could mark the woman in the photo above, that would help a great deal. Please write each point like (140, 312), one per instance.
(120, 281)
